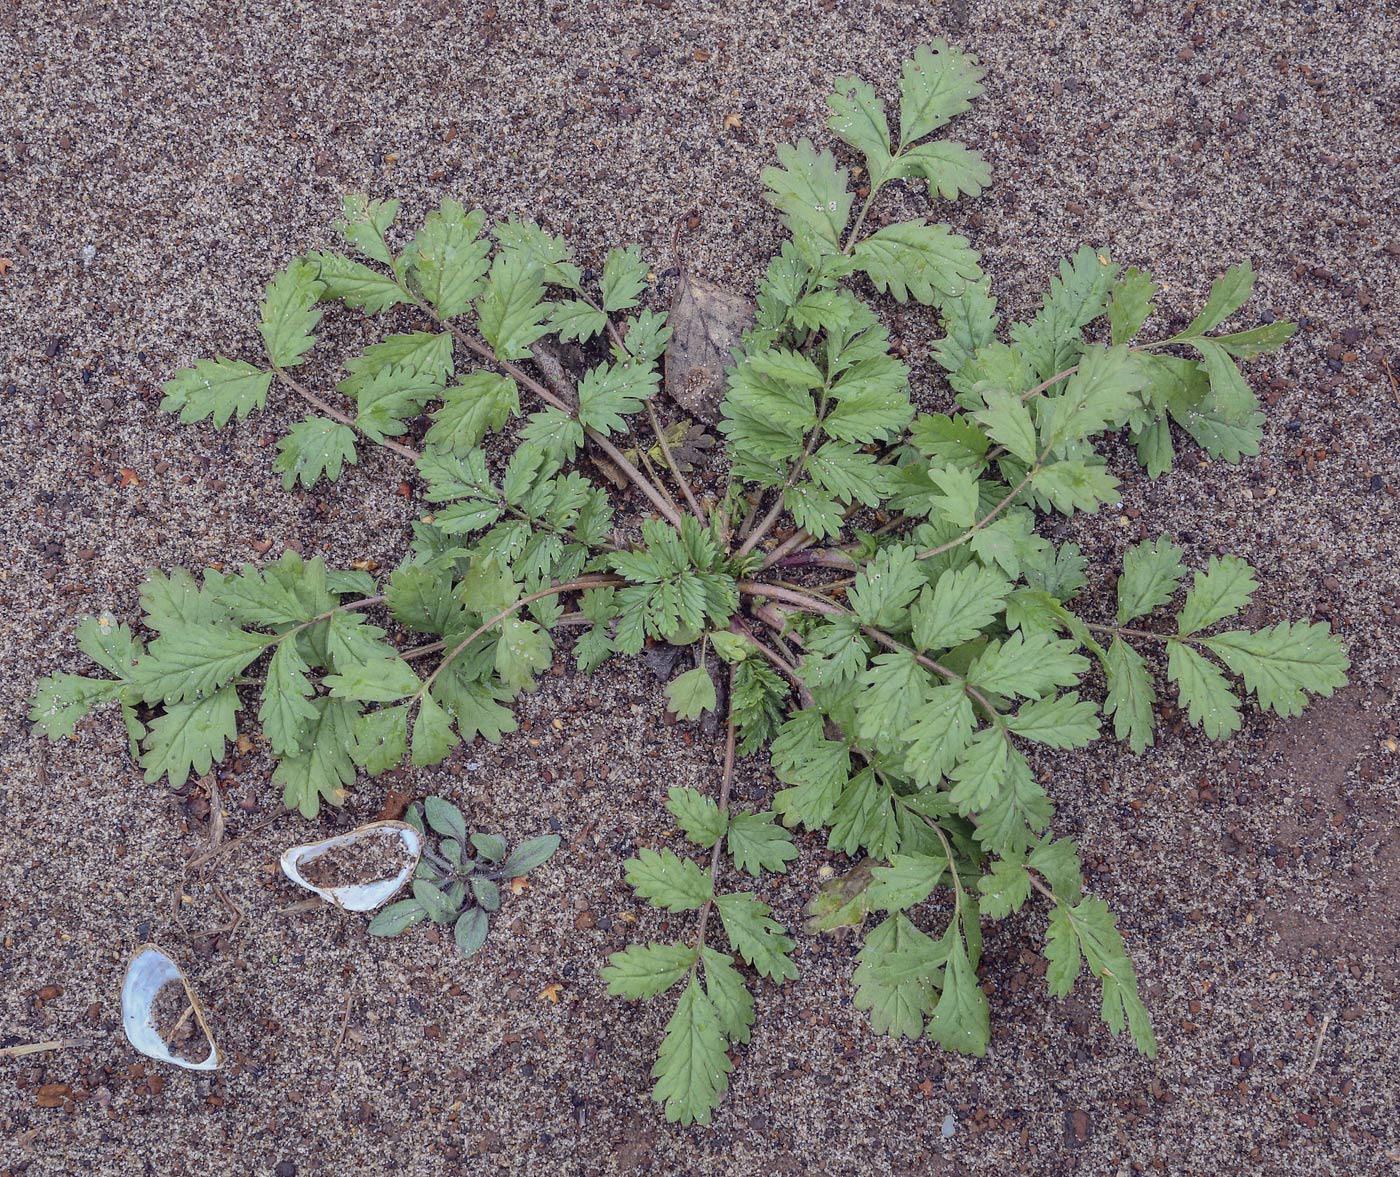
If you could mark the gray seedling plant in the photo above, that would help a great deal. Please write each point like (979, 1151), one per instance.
(451, 886)
(862, 586)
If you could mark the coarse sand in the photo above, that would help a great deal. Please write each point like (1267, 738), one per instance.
(159, 161)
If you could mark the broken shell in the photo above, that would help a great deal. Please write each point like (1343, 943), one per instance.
(364, 896)
(148, 973)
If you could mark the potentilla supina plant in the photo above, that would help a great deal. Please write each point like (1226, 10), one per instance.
(862, 587)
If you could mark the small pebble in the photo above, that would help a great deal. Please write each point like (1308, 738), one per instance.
(950, 1125)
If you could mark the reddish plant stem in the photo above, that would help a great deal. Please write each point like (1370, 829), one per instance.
(756, 536)
(522, 377)
(929, 553)
(362, 603)
(336, 415)
(891, 643)
(773, 592)
(784, 667)
(730, 743)
(818, 558)
(816, 605)
(681, 480)
(1045, 384)
(583, 582)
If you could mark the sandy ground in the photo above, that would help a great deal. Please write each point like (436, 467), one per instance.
(158, 161)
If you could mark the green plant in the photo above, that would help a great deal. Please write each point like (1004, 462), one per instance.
(895, 652)
(452, 887)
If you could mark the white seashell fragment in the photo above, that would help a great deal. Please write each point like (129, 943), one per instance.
(363, 896)
(148, 973)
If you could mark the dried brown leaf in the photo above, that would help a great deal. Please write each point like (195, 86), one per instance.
(840, 902)
(707, 321)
